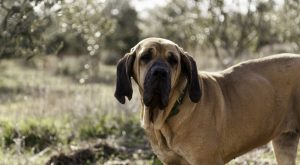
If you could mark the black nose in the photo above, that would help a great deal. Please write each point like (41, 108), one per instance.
(160, 72)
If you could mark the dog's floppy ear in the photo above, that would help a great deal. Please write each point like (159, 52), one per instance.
(189, 68)
(124, 73)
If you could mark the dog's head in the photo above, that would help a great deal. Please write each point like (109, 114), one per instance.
(156, 65)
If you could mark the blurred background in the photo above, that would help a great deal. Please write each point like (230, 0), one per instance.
(57, 69)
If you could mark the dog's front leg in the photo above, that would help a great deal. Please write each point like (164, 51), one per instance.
(207, 161)
(200, 156)
(285, 148)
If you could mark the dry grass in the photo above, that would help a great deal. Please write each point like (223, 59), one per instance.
(43, 93)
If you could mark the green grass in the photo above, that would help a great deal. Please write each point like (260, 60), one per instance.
(44, 108)
(33, 134)
(51, 106)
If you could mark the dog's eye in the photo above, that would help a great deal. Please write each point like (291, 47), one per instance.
(146, 57)
(172, 59)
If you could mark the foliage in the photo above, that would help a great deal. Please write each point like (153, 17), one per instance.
(84, 20)
(38, 135)
(7, 134)
(30, 134)
(108, 29)
(231, 30)
(67, 27)
(96, 129)
(118, 127)
(289, 21)
(108, 36)
(238, 31)
(22, 27)
(126, 33)
(178, 20)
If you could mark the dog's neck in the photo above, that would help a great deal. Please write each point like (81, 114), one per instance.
(159, 117)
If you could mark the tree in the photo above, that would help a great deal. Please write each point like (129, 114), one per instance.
(125, 34)
(84, 21)
(288, 22)
(22, 27)
(212, 24)
(30, 27)
(178, 20)
(237, 32)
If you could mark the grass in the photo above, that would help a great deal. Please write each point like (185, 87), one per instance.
(45, 107)
(52, 106)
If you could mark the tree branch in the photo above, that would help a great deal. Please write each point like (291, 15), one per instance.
(3, 6)
(217, 54)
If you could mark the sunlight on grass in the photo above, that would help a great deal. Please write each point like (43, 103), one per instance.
(46, 111)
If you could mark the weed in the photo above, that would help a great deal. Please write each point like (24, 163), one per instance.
(8, 133)
(37, 135)
(34, 135)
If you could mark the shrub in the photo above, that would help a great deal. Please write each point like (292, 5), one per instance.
(128, 129)
(8, 133)
(38, 135)
(35, 135)
(97, 128)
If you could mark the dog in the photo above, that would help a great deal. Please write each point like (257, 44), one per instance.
(207, 118)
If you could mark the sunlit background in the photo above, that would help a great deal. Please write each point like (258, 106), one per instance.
(57, 69)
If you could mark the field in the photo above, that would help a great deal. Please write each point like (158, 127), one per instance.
(64, 110)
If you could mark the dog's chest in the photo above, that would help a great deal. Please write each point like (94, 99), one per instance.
(161, 142)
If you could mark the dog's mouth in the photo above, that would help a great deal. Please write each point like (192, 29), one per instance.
(157, 97)
(157, 100)
(157, 90)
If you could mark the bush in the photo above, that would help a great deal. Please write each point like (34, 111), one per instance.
(131, 134)
(97, 128)
(8, 133)
(38, 136)
(129, 130)
(34, 135)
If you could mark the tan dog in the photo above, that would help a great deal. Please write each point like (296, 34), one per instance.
(218, 116)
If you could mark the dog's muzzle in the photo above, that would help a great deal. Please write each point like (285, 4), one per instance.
(157, 85)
